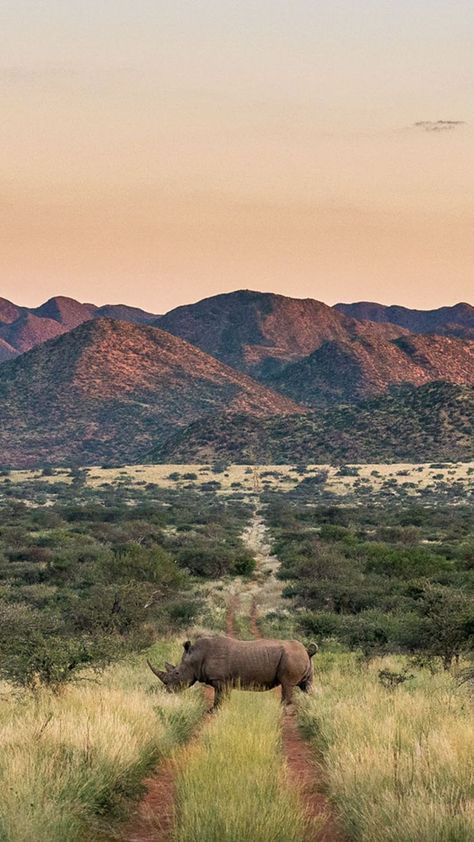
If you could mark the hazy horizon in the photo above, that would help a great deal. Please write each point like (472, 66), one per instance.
(158, 153)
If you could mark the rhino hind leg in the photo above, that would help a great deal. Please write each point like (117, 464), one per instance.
(286, 693)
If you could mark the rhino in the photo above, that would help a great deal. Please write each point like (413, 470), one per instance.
(224, 663)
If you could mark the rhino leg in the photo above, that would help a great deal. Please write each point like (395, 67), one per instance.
(221, 692)
(286, 693)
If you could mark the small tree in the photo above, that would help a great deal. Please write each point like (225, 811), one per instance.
(450, 622)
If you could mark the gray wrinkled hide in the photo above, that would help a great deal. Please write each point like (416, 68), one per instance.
(223, 663)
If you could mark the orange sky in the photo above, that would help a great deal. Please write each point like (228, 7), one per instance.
(156, 152)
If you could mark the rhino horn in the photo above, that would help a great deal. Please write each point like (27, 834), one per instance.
(159, 673)
(312, 649)
(169, 667)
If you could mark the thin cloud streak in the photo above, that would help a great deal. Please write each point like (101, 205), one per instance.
(438, 125)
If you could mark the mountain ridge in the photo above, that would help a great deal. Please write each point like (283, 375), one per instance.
(23, 328)
(455, 320)
(259, 332)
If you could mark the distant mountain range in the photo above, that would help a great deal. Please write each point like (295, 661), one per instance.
(87, 384)
(22, 328)
(449, 321)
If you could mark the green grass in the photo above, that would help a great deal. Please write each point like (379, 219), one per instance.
(66, 761)
(399, 763)
(232, 785)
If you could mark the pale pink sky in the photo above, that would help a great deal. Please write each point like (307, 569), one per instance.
(157, 152)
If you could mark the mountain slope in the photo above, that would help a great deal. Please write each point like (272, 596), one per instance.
(9, 312)
(453, 321)
(348, 371)
(260, 332)
(432, 422)
(108, 390)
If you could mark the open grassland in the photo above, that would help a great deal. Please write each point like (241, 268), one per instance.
(66, 760)
(233, 786)
(399, 763)
(411, 477)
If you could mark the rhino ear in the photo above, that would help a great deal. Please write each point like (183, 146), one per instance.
(169, 667)
(187, 645)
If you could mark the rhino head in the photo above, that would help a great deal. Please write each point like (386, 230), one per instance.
(177, 678)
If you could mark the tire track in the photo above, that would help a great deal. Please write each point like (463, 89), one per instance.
(303, 772)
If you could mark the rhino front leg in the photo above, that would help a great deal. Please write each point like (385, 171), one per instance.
(221, 692)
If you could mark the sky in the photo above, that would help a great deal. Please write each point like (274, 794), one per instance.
(154, 153)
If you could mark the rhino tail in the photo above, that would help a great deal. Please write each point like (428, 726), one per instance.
(311, 649)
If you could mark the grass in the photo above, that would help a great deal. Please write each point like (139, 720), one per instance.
(66, 761)
(232, 786)
(279, 477)
(399, 763)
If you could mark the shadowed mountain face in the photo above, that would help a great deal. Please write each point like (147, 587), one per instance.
(430, 423)
(451, 321)
(262, 332)
(108, 390)
(22, 328)
(351, 370)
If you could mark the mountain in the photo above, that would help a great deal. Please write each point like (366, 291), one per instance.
(261, 332)
(9, 312)
(65, 311)
(434, 422)
(107, 390)
(22, 328)
(452, 321)
(30, 330)
(350, 370)
(124, 313)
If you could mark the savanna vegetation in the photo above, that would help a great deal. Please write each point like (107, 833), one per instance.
(68, 761)
(94, 574)
(89, 578)
(380, 579)
(88, 575)
(398, 758)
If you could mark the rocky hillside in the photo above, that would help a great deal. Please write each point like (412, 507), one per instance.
(430, 423)
(348, 371)
(451, 321)
(108, 390)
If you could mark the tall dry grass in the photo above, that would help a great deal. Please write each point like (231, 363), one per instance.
(399, 763)
(232, 785)
(66, 760)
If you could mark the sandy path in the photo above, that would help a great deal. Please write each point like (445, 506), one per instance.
(303, 772)
(153, 820)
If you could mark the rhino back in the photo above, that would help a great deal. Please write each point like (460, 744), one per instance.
(255, 662)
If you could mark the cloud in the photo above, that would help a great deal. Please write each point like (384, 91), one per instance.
(438, 125)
